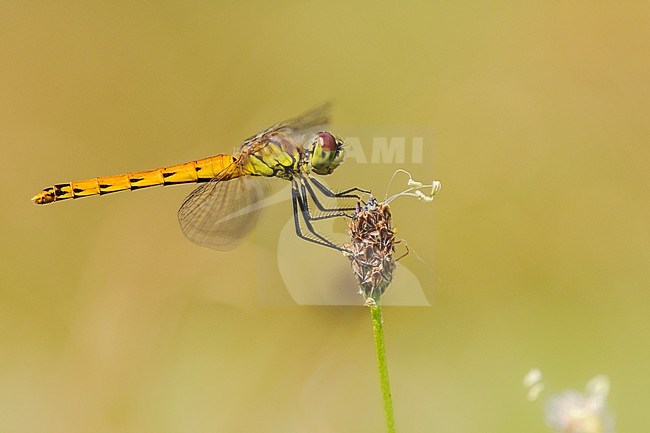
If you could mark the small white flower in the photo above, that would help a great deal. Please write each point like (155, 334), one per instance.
(535, 391)
(533, 377)
(533, 381)
(575, 412)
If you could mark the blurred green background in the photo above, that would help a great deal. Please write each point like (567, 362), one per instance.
(110, 321)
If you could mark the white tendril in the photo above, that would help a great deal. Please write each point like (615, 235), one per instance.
(415, 188)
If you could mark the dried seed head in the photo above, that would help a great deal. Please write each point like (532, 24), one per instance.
(371, 248)
(372, 239)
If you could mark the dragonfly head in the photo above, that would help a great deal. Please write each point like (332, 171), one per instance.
(325, 153)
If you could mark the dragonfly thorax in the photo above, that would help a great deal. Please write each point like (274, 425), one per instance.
(276, 156)
(325, 153)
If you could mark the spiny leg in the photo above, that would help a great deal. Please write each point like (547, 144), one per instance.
(336, 211)
(342, 194)
(329, 212)
(300, 208)
(297, 211)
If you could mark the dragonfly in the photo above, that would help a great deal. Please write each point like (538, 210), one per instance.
(224, 208)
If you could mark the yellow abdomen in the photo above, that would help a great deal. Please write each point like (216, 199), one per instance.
(202, 170)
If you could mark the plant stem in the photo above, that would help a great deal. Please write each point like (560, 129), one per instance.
(378, 331)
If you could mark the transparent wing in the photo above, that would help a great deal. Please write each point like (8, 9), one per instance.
(301, 129)
(220, 213)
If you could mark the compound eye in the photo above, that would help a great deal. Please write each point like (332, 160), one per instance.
(327, 142)
(324, 151)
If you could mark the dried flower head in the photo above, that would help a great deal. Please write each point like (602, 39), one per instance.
(371, 248)
(372, 240)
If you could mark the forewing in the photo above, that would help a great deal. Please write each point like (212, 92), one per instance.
(218, 214)
(301, 129)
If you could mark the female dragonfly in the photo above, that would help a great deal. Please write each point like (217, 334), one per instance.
(223, 209)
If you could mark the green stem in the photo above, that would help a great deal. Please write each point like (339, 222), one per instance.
(378, 331)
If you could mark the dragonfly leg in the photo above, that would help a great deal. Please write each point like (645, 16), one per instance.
(330, 212)
(342, 194)
(300, 208)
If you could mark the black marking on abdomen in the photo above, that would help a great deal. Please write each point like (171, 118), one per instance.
(136, 179)
(77, 190)
(166, 175)
(108, 192)
(58, 189)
